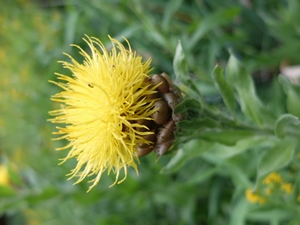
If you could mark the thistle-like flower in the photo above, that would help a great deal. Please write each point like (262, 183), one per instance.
(111, 111)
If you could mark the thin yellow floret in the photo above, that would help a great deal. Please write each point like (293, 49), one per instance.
(101, 103)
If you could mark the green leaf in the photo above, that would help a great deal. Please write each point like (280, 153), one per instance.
(293, 95)
(239, 212)
(197, 124)
(71, 23)
(7, 191)
(285, 122)
(275, 214)
(201, 176)
(42, 196)
(189, 150)
(242, 82)
(227, 137)
(189, 103)
(180, 64)
(275, 158)
(211, 22)
(170, 9)
(224, 88)
(219, 153)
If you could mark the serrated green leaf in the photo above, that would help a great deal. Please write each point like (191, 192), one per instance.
(189, 150)
(284, 122)
(189, 103)
(242, 82)
(275, 158)
(224, 88)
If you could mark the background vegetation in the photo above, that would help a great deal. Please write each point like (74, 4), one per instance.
(241, 116)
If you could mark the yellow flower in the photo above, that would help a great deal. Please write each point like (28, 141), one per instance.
(272, 178)
(101, 104)
(254, 198)
(4, 178)
(287, 187)
(298, 198)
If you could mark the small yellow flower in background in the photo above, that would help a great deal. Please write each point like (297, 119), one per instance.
(272, 189)
(298, 198)
(4, 178)
(268, 191)
(253, 197)
(287, 187)
(101, 104)
(272, 178)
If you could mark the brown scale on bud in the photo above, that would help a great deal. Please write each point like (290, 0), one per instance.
(145, 123)
(168, 79)
(148, 137)
(153, 96)
(144, 151)
(164, 120)
(162, 148)
(163, 83)
(171, 99)
(163, 112)
(165, 133)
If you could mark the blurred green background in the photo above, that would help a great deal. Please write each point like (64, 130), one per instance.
(33, 34)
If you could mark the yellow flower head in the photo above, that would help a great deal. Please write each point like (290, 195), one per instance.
(253, 197)
(101, 104)
(287, 187)
(273, 178)
(4, 177)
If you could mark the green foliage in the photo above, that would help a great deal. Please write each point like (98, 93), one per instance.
(241, 118)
